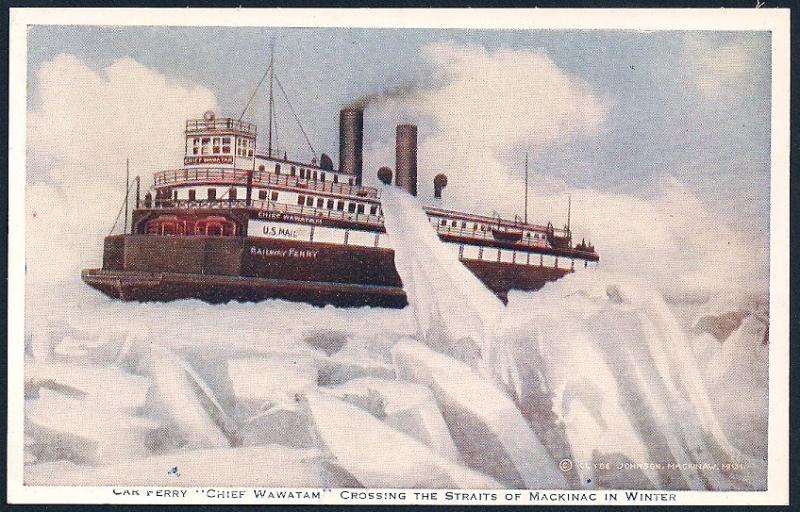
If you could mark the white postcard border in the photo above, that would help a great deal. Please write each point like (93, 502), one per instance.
(774, 20)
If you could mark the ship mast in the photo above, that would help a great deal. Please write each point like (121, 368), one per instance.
(127, 190)
(526, 187)
(271, 97)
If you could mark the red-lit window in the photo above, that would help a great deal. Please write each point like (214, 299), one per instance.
(226, 149)
(262, 194)
(212, 194)
(274, 196)
(192, 195)
(195, 151)
(232, 193)
(277, 168)
(309, 201)
(320, 202)
(250, 153)
(301, 200)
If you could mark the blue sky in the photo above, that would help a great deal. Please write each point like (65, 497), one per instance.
(659, 121)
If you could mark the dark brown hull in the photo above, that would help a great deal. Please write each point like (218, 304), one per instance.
(221, 269)
(164, 287)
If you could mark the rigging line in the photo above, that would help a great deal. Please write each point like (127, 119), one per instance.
(291, 108)
(255, 91)
(122, 207)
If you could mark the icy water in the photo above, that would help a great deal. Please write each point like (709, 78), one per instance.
(455, 390)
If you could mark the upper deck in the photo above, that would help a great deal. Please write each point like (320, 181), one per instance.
(226, 124)
(229, 176)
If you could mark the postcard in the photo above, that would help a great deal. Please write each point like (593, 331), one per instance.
(360, 257)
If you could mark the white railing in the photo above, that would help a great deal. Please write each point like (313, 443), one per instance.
(271, 206)
(239, 176)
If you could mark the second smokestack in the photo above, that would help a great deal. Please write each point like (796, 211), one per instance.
(406, 158)
(351, 142)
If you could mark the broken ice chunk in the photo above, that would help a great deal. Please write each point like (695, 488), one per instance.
(81, 430)
(114, 388)
(380, 456)
(406, 406)
(487, 427)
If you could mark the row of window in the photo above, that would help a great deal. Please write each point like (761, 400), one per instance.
(221, 146)
(340, 205)
(309, 174)
(483, 227)
(231, 194)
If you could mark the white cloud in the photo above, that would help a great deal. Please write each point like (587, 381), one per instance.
(488, 104)
(718, 72)
(81, 129)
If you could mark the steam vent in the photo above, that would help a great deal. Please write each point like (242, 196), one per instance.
(406, 158)
(351, 142)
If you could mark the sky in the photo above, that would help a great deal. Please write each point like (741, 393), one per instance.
(652, 133)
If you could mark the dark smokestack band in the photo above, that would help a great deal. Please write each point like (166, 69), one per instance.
(351, 142)
(406, 158)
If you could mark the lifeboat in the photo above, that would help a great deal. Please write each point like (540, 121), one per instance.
(507, 235)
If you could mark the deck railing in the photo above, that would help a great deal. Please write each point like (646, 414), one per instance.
(271, 206)
(225, 123)
(239, 177)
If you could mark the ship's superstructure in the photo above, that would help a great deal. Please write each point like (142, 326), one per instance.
(236, 224)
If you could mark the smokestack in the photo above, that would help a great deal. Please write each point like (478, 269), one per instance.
(351, 142)
(405, 175)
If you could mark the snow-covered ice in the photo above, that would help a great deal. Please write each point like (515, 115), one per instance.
(408, 407)
(486, 425)
(380, 456)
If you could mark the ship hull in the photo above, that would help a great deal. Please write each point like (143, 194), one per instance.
(215, 289)
(221, 269)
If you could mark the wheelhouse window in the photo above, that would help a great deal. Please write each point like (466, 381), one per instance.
(274, 196)
(277, 168)
(261, 168)
(309, 201)
(192, 195)
(262, 194)
(340, 206)
(293, 170)
(320, 202)
(301, 200)
(322, 176)
(175, 195)
(215, 146)
(330, 204)
(373, 209)
(204, 145)
(212, 194)
(444, 222)
(232, 193)
(360, 208)
(302, 173)
(350, 181)
(351, 207)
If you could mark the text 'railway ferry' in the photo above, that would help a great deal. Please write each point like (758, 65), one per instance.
(236, 224)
